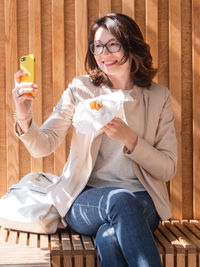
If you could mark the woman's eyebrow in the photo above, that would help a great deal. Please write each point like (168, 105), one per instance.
(113, 39)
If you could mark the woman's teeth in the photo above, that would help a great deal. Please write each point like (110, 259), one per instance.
(109, 62)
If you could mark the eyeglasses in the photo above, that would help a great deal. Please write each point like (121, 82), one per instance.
(112, 46)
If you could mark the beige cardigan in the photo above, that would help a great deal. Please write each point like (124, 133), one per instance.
(154, 157)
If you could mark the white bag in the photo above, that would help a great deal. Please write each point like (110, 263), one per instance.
(27, 207)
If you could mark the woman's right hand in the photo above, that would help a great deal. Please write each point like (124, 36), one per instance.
(23, 94)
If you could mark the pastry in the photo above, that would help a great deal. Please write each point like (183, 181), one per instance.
(96, 105)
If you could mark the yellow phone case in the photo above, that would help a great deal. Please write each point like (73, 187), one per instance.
(27, 63)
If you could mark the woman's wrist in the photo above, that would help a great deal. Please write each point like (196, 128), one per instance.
(130, 142)
(24, 123)
(25, 118)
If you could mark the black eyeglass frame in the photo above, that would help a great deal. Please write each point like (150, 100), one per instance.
(104, 45)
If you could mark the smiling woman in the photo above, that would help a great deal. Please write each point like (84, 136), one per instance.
(113, 185)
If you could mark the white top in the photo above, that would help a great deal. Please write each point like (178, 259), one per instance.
(112, 167)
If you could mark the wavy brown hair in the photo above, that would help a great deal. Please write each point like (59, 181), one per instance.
(128, 33)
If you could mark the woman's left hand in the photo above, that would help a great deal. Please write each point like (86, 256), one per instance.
(119, 130)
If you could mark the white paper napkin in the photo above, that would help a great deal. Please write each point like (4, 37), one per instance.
(88, 121)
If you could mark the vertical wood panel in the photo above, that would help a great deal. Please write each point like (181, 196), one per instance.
(70, 65)
(186, 102)
(128, 8)
(80, 35)
(196, 104)
(104, 7)
(11, 68)
(140, 17)
(35, 48)
(163, 43)
(116, 6)
(58, 56)
(23, 49)
(46, 88)
(163, 47)
(152, 30)
(3, 149)
(176, 92)
(70, 56)
(93, 11)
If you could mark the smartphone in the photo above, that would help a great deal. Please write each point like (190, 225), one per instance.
(27, 63)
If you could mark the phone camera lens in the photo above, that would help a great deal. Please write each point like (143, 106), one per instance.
(24, 59)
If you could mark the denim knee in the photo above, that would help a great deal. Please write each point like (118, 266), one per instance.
(106, 245)
(123, 200)
(105, 238)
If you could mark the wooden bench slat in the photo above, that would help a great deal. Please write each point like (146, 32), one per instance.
(23, 238)
(76, 242)
(188, 234)
(179, 248)
(44, 241)
(33, 240)
(89, 249)
(173, 240)
(67, 261)
(55, 244)
(17, 255)
(12, 236)
(190, 250)
(196, 232)
(168, 257)
(165, 243)
(3, 234)
(67, 249)
(87, 243)
(90, 260)
(55, 250)
(78, 249)
(193, 229)
(187, 244)
(196, 223)
(66, 242)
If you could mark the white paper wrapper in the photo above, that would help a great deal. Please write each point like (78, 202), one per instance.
(88, 121)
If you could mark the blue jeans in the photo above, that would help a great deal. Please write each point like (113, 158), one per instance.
(123, 223)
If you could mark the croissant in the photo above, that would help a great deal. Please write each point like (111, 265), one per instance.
(96, 104)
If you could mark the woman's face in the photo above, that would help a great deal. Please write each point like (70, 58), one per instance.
(109, 62)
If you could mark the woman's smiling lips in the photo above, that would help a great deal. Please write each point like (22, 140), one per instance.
(109, 63)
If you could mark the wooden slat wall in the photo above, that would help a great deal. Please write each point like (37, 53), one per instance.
(196, 101)
(56, 31)
(175, 84)
(34, 15)
(58, 66)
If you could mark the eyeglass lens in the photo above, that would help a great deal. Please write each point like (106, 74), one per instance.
(112, 47)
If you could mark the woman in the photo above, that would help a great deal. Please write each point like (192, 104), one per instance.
(113, 184)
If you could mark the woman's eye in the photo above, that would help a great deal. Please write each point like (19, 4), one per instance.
(98, 45)
(114, 44)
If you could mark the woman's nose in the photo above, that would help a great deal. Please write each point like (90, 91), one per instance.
(105, 51)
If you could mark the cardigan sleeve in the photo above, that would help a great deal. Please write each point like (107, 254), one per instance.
(43, 141)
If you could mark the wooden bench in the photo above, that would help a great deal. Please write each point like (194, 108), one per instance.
(178, 243)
